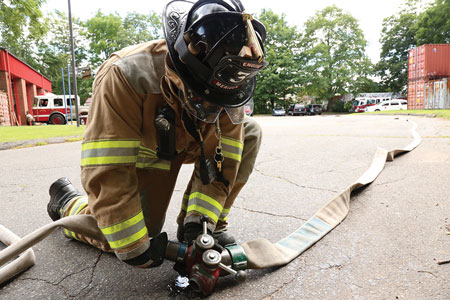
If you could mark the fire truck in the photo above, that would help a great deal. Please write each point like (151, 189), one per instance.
(51, 109)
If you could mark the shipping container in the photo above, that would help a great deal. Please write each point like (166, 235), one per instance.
(431, 61)
(416, 94)
(437, 94)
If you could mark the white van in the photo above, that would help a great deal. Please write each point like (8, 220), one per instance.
(394, 104)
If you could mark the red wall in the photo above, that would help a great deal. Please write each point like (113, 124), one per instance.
(19, 69)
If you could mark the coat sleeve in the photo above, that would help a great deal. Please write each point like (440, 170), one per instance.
(108, 165)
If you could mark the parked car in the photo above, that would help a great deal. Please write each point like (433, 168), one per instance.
(278, 111)
(314, 109)
(296, 110)
(395, 104)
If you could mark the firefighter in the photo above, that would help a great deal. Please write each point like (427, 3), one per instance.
(157, 106)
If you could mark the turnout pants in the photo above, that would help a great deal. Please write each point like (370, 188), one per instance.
(156, 188)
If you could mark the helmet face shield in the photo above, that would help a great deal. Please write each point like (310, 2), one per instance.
(236, 114)
(208, 112)
(216, 49)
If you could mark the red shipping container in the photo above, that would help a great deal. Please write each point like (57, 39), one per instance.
(416, 90)
(429, 61)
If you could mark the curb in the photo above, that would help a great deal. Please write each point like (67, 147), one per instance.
(38, 142)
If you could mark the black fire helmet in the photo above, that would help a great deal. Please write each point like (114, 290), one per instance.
(211, 67)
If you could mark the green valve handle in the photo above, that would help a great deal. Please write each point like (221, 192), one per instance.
(238, 257)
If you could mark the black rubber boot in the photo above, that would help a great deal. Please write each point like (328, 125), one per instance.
(224, 238)
(61, 191)
(190, 231)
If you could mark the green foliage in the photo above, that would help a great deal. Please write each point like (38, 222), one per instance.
(333, 54)
(105, 34)
(279, 79)
(397, 37)
(109, 33)
(54, 51)
(433, 26)
(21, 26)
(412, 26)
(142, 28)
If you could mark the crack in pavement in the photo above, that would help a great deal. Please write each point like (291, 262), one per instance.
(390, 181)
(285, 284)
(428, 272)
(291, 182)
(91, 279)
(63, 288)
(270, 214)
(48, 282)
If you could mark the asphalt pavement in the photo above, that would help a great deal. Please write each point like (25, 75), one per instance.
(387, 248)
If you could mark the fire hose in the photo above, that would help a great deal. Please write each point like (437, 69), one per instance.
(202, 262)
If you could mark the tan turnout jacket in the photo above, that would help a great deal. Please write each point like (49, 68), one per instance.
(128, 186)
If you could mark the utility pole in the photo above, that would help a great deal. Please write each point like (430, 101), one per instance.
(73, 67)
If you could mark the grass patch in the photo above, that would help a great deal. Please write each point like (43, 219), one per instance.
(440, 113)
(25, 133)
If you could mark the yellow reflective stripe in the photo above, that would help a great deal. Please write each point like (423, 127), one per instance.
(109, 144)
(147, 158)
(147, 151)
(103, 160)
(79, 209)
(204, 211)
(123, 225)
(162, 166)
(70, 234)
(234, 156)
(129, 240)
(224, 214)
(77, 206)
(206, 198)
(234, 143)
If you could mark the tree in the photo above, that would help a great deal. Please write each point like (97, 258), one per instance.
(21, 26)
(106, 34)
(110, 33)
(141, 28)
(54, 51)
(279, 79)
(433, 26)
(333, 57)
(397, 37)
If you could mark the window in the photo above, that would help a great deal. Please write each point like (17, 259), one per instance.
(385, 104)
(43, 103)
(394, 103)
(58, 102)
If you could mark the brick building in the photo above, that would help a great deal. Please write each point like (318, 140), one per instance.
(19, 84)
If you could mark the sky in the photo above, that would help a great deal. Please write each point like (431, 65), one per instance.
(370, 14)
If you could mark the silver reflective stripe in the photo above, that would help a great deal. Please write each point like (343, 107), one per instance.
(129, 231)
(204, 205)
(109, 152)
(135, 252)
(232, 148)
(224, 214)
